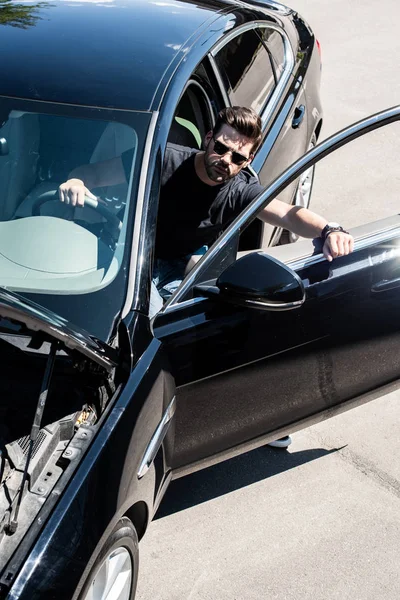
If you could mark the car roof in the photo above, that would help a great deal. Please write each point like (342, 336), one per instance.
(108, 53)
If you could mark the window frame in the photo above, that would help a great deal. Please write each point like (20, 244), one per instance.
(322, 150)
(276, 65)
(202, 98)
(282, 78)
(247, 70)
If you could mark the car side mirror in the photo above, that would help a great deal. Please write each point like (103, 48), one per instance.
(259, 281)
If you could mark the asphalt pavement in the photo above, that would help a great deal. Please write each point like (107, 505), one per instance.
(320, 521)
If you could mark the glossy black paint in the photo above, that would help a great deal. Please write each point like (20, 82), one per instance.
(297, 363)
(104, 486)
(87, 53)
(107, 56)
(38, 318)
(257, 276)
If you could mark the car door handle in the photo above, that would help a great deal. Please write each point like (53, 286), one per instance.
(299, 113)
(385, 285)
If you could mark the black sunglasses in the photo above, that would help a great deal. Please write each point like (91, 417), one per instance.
(221, 149)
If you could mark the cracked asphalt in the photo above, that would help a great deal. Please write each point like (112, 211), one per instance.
(320, 521)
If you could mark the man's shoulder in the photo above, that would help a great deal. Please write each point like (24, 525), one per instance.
(175, 157)
(178, 153)
(243, 189)
(246, 181)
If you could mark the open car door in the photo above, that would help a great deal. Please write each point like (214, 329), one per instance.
(259, 348)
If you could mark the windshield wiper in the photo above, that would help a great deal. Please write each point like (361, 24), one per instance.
(37, 421)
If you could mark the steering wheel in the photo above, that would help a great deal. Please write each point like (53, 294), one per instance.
(52, 196)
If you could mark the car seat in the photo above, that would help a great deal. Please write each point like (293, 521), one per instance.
(187, 120)
(184, 133)
(18, 167)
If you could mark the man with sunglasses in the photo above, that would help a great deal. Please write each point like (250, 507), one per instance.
(201, 193)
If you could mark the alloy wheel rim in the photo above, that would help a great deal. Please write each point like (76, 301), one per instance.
(113, 579)
(303, 193)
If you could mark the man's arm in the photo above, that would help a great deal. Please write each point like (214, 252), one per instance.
(306, 223)
(86, 177)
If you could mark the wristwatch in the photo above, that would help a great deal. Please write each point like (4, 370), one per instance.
(331, 228)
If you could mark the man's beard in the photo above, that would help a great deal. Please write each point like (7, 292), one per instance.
(216, 170)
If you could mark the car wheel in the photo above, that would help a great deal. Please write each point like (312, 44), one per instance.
(114, 573)
(302, 196)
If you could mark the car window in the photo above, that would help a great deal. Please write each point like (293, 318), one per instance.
(47, 246)
(193, 117)
(273, 41)
(246, 70)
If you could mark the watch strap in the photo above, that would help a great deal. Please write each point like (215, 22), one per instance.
(328, 229)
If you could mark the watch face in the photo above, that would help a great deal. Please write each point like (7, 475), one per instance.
(331, 224)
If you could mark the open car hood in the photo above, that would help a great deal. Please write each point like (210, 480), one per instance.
(37, 318)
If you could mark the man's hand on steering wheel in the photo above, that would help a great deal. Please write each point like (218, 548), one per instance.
(73, 192)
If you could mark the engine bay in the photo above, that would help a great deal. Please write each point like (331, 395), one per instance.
(47, 397)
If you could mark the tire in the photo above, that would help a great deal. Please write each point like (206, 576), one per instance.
(302, 196)
(116, 566)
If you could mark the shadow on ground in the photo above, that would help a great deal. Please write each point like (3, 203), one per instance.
(232, 475)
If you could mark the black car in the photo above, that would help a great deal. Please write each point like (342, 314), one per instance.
(101, 406)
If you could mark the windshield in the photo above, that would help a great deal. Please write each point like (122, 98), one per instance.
(49, 248)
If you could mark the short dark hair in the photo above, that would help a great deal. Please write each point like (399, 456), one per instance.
(244, 120)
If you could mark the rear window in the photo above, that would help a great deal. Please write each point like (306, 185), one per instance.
(274, 42)
(246, 70)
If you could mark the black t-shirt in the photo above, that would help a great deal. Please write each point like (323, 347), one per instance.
(191, 213)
